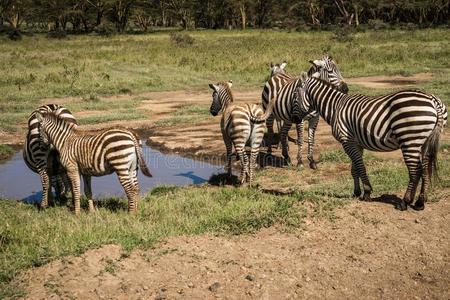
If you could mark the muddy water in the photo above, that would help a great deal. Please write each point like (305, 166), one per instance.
(19, 182)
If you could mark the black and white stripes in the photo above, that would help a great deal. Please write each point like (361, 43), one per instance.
(41, 157)
(282, 86)
(95, 154)
(238, 128)
(409, 120)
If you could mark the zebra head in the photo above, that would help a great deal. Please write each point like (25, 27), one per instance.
(221, 96)
(48, 122)
(328, 70)
(277, 68)
(300, 108)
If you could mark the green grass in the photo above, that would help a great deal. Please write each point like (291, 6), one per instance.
(186, 115)
(5, 151)
(31, 238)
(84, 66)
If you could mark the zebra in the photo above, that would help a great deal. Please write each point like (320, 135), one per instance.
(410, 120)
(42, 158)
(282, 86)
(95, 154)
(239, 127)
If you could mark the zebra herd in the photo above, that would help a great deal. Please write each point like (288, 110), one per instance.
(409, 120)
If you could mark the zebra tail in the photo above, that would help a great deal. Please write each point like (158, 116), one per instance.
(267, 113)
(140, 156)
(431, 147)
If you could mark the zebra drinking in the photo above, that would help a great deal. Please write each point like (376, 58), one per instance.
(409, 120)
(42, 158)
(282, 86)
(95, 154)
(239, 127)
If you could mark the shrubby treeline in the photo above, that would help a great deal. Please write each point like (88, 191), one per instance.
(143, 15)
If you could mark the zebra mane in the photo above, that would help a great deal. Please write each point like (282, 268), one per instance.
(326, 83)
(227, 88)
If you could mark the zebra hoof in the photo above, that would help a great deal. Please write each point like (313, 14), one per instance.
(402, 206)
(366, 198)
(313, 165)
(420, 204)
(299, 165)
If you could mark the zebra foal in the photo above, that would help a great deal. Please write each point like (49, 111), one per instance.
(95, 154)
(409, 120)
(41, 157)
(239, 128)
(282, 86)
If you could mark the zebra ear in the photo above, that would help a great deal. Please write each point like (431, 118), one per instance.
(317, 63)
(212, 86)
(230, 83)
(271, 65)
(283, 65)
(304, 76)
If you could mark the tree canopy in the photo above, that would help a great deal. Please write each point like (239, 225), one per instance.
(122, 15)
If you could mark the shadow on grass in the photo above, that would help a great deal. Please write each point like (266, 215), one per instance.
(388, 199)
(270, 160)
(112, 204)
(223, 179)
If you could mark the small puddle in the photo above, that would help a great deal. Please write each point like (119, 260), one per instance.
(17, 181)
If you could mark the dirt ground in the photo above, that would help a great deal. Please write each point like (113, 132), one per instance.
(369, 250)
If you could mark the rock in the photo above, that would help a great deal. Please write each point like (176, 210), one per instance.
(145, 288)
(190, 285)
(250, 277)
(160, 296)
(214, 287)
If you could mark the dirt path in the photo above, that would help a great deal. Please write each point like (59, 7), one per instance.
(369, 251)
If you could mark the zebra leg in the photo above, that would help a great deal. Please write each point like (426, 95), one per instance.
(45, 180)
(312, 126)
(299, 127)
(229, 147)
(240, 151)
(284, 145)
(74, 177)
(354, 151)
(88, 192)
(131, 190)
(412, 161)
(420, 203)
(269, 124)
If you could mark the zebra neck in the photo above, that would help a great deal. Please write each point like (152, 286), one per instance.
(58, 134)
(325, 100)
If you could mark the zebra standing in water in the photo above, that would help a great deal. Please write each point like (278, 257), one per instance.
(95, 154)
(282, 86)
(409, 120)
(238, 127)
(41, 158)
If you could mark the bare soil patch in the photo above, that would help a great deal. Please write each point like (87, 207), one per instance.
(368, 251)
(384, 82)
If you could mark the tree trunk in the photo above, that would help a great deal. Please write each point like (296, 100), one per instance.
(243, 16)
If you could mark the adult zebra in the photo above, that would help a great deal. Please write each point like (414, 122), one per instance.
(239, 127)
(95, 154)
(282, 86)
(409, 120)
(42, 158)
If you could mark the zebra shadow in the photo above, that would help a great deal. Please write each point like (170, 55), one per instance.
(394, 200)
(223, 179)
